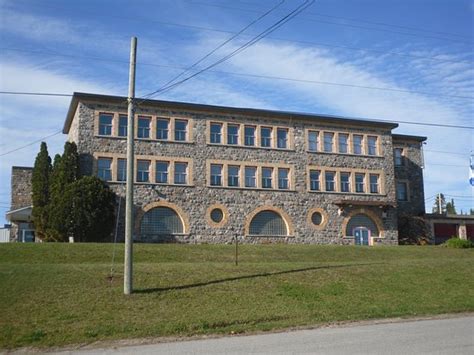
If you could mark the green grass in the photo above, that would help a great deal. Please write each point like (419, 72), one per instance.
(58, 294)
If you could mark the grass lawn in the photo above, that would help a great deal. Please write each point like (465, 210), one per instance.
(58, 294)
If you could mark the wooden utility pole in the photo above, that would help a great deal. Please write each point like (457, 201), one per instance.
(128, 265)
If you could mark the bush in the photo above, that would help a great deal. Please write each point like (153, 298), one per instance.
(455, 242)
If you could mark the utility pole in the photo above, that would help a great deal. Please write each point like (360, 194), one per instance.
(440, 211)
(128, 265)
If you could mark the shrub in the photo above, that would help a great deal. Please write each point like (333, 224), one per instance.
(455, 242)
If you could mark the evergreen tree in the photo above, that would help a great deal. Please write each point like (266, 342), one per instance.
(88, 207)
(65, 172)
(439, 200)
(40, 190)
(450, 207)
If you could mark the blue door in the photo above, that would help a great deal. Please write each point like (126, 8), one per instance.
(361, 236)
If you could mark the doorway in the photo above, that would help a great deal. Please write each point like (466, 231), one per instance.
(361, 235)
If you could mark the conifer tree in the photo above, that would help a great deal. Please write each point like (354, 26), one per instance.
(40, 190)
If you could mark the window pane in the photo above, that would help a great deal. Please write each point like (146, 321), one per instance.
(372, 145)
(328, 141)
(357, 144)
(267, 182)
(398, 152)
(314, 180)
(232, 134)
(330, 183)
(282, 138)
(180, 130)
(250, 176)
(160, 221)
(143, 127)
(162, 129)
(266, 137)
(122, 170)
(123, 122)
(343, 140)
(162, 172)
(345, 182)
(268, 223)
(402, 194)
(374, 184)
(143, 171)
(180, 173)
(283, 183)
(104, 170)
(360, 182)
(216, 175)
(249, 136)
(313, 141)
(105, 124)
(233, 175)
(216, 133)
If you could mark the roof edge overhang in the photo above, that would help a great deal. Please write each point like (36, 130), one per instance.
(78, 96)
(405, 137)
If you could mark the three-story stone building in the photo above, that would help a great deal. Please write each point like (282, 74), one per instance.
(210, 174)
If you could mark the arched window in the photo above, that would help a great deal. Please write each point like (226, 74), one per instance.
(268, 223)
(362, 220)
(161, 221)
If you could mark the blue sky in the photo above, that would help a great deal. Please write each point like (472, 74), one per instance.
(422, 48)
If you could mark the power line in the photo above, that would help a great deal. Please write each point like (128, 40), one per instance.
(34, 93)
(254, 40)
(223, 44)
(29, 144)
(345, 24)
(445, 152)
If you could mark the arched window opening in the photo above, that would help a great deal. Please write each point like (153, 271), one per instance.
(161, 221)
(268, 223)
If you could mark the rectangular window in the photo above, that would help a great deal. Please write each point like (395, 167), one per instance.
(330, 181)
(345, 182)
(282, 138)
(233, 172)
(105, 124)
(104, 169)
(143, 171)
(357, 144)
(360, 183)
(216, 175)
(374, 184)
(314, 180)
(250, 176)
(283, 182)
(123, 125)
(216, 133)
(266, 136)
(328, 142)
(143, 127)
(372, 145)
(180, 130)
(267, 178)
(402, 191)
(162, 168)
(398, 154)
(313, 141)
(162, 129)
(343, 141)
(249, 136)
(122, 169)
(181, 173)
(232, 134)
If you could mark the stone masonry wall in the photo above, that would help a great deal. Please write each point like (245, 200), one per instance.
(21, 187)
(195, 200)
(412, 173)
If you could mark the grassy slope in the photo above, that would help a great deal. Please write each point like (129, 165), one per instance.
(56, 294)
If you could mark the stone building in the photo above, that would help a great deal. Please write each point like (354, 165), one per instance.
(210, 174)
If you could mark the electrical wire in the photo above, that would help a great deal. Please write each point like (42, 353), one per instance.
(254, 40)
(29, 144)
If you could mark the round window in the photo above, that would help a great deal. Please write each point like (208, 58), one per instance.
(217, 215)
(316, 218)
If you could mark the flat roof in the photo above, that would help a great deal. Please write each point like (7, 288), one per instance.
(78, 96)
